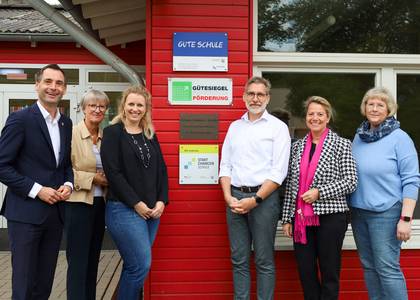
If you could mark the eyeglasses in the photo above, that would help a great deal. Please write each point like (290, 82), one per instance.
(94, 107)
(378, 106)
(251, 95)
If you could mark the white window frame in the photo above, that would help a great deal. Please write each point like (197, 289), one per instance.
(387, 66)
(327, 58)
(384, 75)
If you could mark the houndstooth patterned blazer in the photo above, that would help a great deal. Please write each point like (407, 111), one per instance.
(335, 177)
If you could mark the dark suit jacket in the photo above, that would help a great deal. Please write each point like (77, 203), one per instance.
(123, 170)
(26, 157)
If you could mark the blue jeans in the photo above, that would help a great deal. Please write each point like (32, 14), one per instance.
(134, 238)
(257, 228)
(375, 234)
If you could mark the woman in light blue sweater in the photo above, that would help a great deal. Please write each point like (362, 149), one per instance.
(382, 205)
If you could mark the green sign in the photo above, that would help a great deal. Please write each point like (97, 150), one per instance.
(181, 90)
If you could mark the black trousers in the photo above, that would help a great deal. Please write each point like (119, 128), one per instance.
(322, 254)
(34, 256)
(84, 231)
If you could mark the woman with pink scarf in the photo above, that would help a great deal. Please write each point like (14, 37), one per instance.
(322, 172)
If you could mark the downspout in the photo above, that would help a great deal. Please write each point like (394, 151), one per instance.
(87, 41)
(76, 12)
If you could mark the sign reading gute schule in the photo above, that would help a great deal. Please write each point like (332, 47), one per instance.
(200, 51)
(200, 91)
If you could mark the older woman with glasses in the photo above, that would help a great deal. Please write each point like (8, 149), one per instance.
(85, 210)
(383, 204)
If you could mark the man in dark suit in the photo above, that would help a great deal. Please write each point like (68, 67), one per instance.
(35, 165)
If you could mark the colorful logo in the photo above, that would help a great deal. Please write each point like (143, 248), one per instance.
(182, 91)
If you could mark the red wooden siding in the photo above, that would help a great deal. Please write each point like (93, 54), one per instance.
(191, 254)
(65, 53)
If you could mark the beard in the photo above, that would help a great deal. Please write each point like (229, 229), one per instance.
(256, 110)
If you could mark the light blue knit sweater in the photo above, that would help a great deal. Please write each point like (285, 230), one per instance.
(388, 171)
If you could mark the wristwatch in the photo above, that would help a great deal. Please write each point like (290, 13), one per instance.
(258, 199)
(405, 218)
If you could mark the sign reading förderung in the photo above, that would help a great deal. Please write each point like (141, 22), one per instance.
(200, 51)
(200, 91)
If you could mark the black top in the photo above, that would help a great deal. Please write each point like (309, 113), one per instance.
(312, 151)
(132, 179)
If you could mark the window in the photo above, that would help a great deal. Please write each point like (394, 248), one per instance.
(343, 90)
(408, 98)
(348, 26)
(27, 75)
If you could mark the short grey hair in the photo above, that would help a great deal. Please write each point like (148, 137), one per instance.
(94, 95)
(383, 94)
(259, 80)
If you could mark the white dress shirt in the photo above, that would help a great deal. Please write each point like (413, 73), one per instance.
(255, 151)
(54, 132)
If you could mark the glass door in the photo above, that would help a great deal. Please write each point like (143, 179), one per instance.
(14, 101)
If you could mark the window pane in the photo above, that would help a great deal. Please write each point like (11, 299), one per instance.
(343, 91)
(345, 26)
(408, 98)
(114, 98)
(27, 75)
(18, 104)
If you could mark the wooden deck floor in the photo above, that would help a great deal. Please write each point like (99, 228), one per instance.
(108, 274)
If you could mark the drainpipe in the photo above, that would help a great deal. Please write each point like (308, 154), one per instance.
(87, 41)
(76, 12)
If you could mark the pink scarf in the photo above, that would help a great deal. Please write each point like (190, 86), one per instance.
(304, 212)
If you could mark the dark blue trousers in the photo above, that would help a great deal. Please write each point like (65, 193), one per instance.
(34, 256)
(84, 230)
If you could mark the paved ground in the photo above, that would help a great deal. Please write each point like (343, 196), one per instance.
(108, 274)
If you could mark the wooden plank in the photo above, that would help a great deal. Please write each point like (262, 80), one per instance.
(113, 283)
(195, 23)
(135, 15)
(192, 264)
(117, 30)
(126, 38)
(179, 253)
(203, 230)
(200, 10)
(161, 35)
(198, 2)
(105, 8)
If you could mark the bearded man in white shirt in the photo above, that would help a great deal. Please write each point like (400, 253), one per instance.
(254, 163)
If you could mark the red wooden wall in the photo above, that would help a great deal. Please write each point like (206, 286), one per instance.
(65, 53)
(191, 254)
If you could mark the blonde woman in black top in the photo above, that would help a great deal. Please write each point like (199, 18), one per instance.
(138, 187)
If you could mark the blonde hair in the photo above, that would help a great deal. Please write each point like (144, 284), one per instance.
(383, 94)
(321, 101)
(146, 122)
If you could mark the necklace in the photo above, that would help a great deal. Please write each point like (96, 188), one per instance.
(146, 163)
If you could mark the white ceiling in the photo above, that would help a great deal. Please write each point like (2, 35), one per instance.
(117, 21)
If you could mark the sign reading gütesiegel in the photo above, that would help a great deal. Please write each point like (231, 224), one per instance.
(200, 91)
(200, 51)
